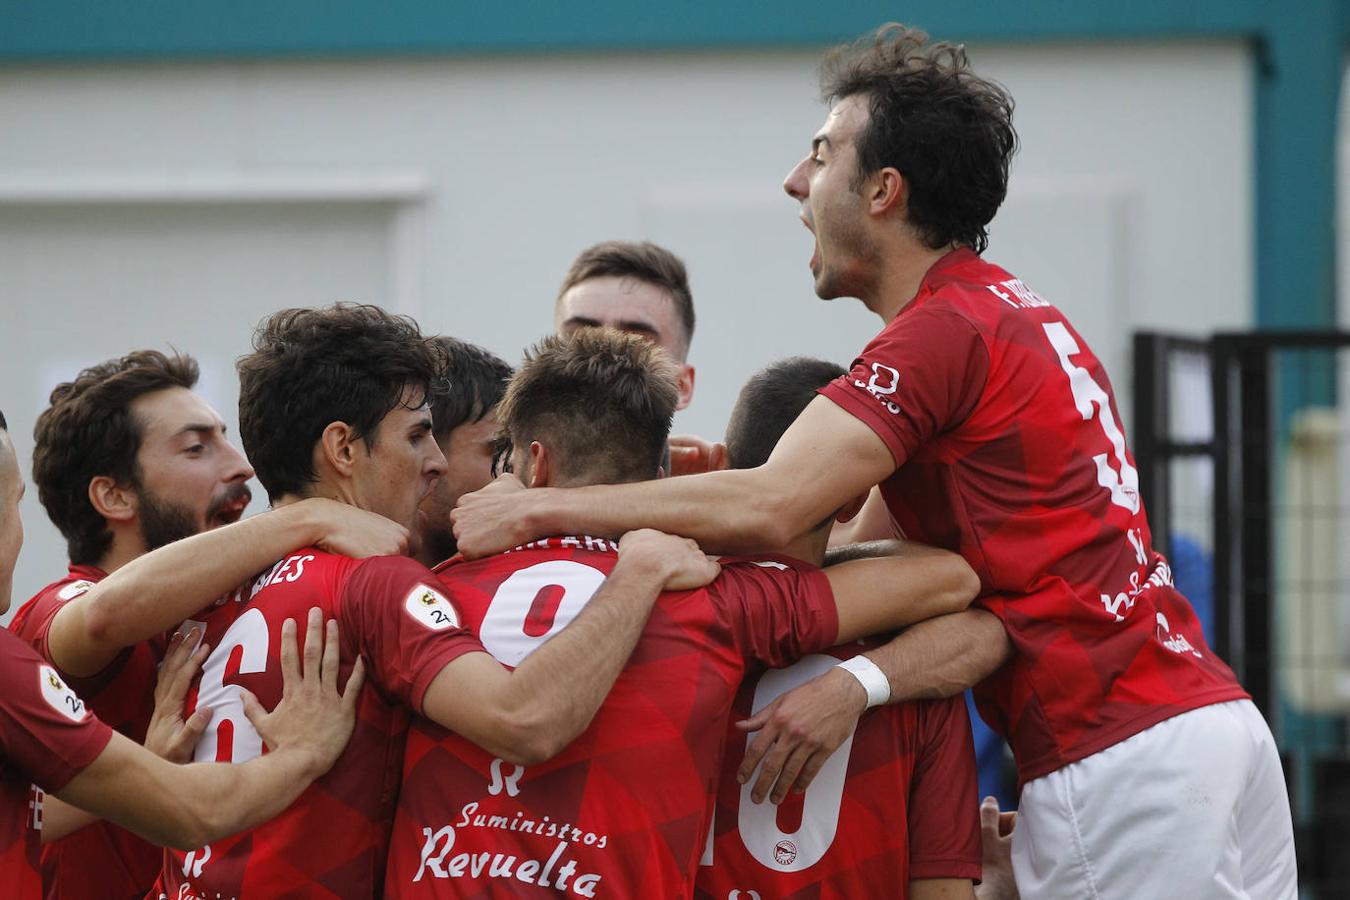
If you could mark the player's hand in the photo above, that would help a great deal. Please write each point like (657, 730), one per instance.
(996, 830)
(692, 455)
(169, 735)
(683, 565)
(350, 531)
(491, 520)
(797, 733)
(313, 716)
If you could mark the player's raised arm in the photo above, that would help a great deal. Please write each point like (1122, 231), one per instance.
(157, 591)
(741, 511)
(527, 715)
(190, 806)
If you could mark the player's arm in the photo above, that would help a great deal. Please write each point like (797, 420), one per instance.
(733, 511)
(190, 806)
(941, 889)
(528, 715)
(799, 730)
(159, 590)
(910, 584)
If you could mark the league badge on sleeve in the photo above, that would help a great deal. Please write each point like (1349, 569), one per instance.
(431, 608)
(59, 696)
(73, 590)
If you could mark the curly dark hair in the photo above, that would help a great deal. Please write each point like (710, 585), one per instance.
(602, 400)
(87, 431)
(311, 367)
(948, 131)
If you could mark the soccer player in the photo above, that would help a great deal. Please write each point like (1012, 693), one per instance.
(464, 424)
(895, 806)
(643, 289)
(624, 810)
(50, 736)
(334, 403)
(992, 429)
(127, 459)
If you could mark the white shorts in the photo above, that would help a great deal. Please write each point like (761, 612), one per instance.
(1194, 807)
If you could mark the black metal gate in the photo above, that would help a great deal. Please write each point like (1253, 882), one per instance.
(1243, 448)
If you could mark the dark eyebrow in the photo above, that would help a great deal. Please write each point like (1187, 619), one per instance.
(583, 322)
(422, 424)
(203, 430)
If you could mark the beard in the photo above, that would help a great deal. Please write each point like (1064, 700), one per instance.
(163, 521)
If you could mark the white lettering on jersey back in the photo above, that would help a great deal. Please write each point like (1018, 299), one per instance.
(507, 632)
(430, 608)
(59, 696)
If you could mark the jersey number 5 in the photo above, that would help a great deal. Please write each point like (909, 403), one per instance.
(1092, 402)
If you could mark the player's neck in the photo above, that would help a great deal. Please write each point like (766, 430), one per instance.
(903, 267)
(126, 546)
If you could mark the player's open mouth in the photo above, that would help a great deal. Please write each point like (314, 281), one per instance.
(231, 510)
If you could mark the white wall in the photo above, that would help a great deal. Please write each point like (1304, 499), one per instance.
(151, 204)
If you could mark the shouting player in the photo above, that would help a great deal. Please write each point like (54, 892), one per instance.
(624, 810)
(334, 403)
(51, 740)
(127, 458)
(993, 431)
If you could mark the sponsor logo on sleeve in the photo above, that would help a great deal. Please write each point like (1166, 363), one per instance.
(73, 590)
(431, 608)
(59, 696)
(881, 385)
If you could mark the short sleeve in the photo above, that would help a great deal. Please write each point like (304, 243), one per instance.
(918, 379)
(778, 610)
(944, 810)
(406, 627)
(47, 732)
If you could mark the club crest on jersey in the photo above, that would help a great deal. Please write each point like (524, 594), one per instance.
(59, 696)
(881, 385)
(431, 608)
(73, 590)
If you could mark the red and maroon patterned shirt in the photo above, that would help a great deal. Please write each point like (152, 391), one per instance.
(102, 861)
(1009, 450)
(48, 735)
(623, 811)
(896, 802)
(333, 840)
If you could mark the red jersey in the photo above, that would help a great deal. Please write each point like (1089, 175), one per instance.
(896, 802)
(102, 861)
(333, 840)
(1009, 451)
(48, 735)
(623, 810)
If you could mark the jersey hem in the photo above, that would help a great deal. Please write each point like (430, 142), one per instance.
(1125, 730)
(945, 868)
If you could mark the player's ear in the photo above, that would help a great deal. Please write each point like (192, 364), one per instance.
(850, 509)
(685, 386)
(336, 449)
(111, 500)
(717, 457)
(541, 466)
(887, 192)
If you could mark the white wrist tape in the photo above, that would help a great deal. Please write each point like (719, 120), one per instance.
(873, 680)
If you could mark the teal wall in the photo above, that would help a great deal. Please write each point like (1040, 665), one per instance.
(1297, 54)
